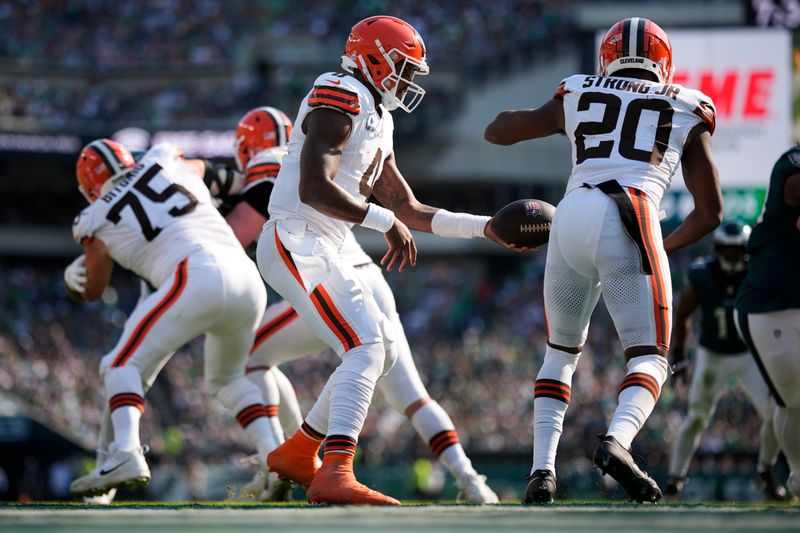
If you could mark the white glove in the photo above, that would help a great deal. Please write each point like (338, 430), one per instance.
(75, 275)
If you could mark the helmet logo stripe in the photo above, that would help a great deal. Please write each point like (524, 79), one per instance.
(633, 31)
(640, 37)
(276, 123)
(107, 156)
(626, 37)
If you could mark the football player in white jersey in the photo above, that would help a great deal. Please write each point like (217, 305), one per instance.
(340, 153)
(261, 139)
(155, 218)
(629, 127)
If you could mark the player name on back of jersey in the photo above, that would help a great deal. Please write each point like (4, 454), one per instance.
(123, 182)
(633, 86)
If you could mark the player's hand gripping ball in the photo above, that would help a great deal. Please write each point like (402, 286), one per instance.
(524, 223)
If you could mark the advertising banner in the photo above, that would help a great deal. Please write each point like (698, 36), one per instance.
(747, 73)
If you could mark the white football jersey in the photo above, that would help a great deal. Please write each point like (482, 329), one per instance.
(629, 130)
(156, 216)
(369, 144)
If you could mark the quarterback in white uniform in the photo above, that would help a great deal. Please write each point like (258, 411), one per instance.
(156, 218)
(261, 139)
(629, 128)
(340, 153)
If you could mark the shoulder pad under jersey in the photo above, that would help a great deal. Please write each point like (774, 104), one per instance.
(336, 91)
(82, 226)
(701, 105)
(264, 166)
(569, 84)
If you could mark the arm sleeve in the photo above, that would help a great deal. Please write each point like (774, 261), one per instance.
(258, 197)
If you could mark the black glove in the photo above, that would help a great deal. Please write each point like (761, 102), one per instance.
(222, 181)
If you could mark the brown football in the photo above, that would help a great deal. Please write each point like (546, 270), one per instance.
(524, 222)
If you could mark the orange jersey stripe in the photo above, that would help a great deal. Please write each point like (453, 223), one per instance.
(349, 332)
(318, 101)
(321, 90)
(255, 176)
(152, 317)
(287, 259)
(320, 307)
(642, 209)
(272, 327)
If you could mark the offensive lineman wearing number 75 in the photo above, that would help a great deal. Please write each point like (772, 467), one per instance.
(629, 127)
(156, 218)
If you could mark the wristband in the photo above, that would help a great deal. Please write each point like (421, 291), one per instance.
(458, 225)
(378, 218)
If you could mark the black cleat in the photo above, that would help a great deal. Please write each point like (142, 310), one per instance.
(773, 491)
(674, 487)
(541, 487)
(612, 459)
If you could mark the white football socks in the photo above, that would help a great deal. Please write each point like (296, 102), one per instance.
(126, 427)
(435, 427)
(352, 387)
(244, 400)
(551, 398)
(126, 405)
(290, 415)
(637, 397)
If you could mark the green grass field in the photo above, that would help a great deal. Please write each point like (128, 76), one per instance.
(413, 516)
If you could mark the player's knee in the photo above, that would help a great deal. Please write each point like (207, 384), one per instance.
(565, 358)
(411, 409)
(368, 360)
(390, 356)
(123, 379)
(237, 392)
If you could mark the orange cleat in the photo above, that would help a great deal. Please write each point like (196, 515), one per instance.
(296, 459)
(336, 484)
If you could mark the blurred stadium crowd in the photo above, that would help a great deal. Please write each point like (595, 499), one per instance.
(123, 64)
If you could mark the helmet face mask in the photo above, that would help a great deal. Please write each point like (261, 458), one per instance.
(388, 53)
(636, 43)
(399, 87)
(730, 246)
(732, 258)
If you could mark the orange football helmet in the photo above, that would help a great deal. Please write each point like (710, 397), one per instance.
(637, 43)
(261, 128)
(100, 161)
(388, 52)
